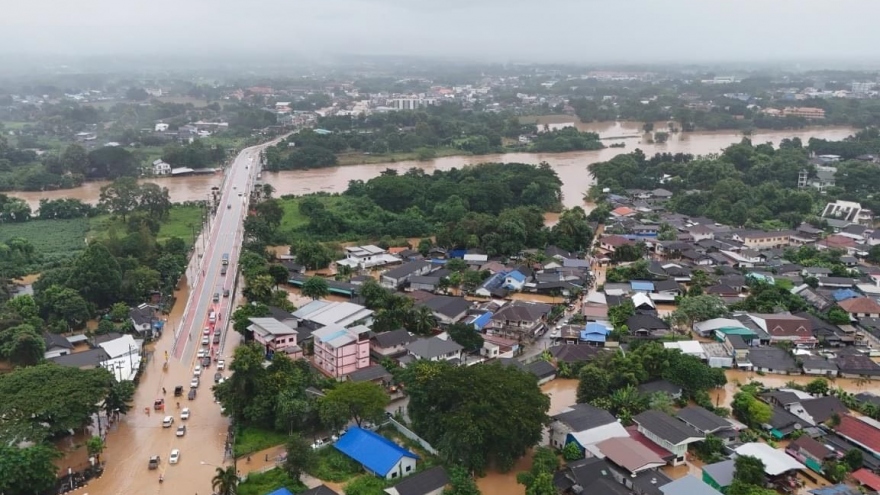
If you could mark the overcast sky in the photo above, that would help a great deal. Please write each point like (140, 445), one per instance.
(503, 30)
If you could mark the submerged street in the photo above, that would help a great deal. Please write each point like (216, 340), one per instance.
(140, 434)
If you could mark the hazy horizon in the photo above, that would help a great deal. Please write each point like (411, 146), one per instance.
(563, 31)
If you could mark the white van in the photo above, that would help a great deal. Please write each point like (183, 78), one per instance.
(212, 316)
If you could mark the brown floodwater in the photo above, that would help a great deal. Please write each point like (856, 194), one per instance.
(571, 167)
(202, 446)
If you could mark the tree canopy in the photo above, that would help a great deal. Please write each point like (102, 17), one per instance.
(465, 411)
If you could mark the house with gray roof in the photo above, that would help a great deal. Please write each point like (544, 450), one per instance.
(668, 432)
(431, 481)
(56, 345)
(702, 420)
(585, 425)
(435, 349)
(397, 277)
(389, 344)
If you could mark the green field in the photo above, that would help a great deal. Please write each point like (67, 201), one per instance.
(293, 219)
(252, 439)
(178, 224)
(359, 158)
(54, 239)
(263, 483)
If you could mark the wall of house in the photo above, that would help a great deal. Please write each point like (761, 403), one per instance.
(678, 450)
(388, 351)
(55, 353)
(558, 433)
(818, 372)
(404, 467)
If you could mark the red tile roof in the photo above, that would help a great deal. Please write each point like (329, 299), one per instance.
(859, 432)
(615, 241)
(860, 305)
(867, 478)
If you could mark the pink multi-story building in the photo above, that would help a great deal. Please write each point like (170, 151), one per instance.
(340, 351)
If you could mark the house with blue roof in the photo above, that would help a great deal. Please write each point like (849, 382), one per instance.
(479, 321)
(642, 286)
(376, 454)
(595, 333)
(514, 280)
(493, 286)
(844, 294)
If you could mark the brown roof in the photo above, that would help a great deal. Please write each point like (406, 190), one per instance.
(629, 454)
(782, 325)
(860, 305)
(615, 241)
(600, 311)
(838, 241)
(811, 446)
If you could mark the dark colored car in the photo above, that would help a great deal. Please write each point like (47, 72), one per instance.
(206, 362)
(192, 394)
(154, 462)
(216, 338)
(225, 292)
(178, 390)
(217, 377)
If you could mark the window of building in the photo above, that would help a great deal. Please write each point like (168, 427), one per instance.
(408, 469)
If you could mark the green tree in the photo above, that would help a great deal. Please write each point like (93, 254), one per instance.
(121, 197)
(75, 159)
(259, 289)
(571, 452)
(593, 382)
(461, 483)
(316, 288)
(449, 408)
(95, 447)
(23, 345)
(96, 275)
(818, 386)
(119, 312)
(300, 456)
(853, 459)
(312, 255)
(27, 470)
(422, 321)
(749, 470)
(241, 317)
(465, 335)
(699, 308)
(119, 398)
(456, 265)
(271, 211)
(838, 316)
(32, 407)
(225, 481)
(358, 401)
(425, 246)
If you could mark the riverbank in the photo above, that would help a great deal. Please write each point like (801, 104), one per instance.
(570, 166)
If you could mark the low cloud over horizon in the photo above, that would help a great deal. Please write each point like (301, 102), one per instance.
(552, 30)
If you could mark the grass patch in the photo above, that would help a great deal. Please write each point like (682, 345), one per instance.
(178, 224)
(333, 465)
(263, 483)
(358, 158)
(293, 219)
(54, 240)
(784, 283)
(252, 439)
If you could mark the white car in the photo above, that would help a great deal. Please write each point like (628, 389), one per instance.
(167, 422)
(202, 353)
(197, 371)
(174, 457)
(181, 430)
(206, 331)
(194, 383)
(221, 364)
(206, 340)
(184, 414)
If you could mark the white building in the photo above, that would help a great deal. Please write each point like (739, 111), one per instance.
(161, 168)
(362, 257)
(161, 127)
(124, 357)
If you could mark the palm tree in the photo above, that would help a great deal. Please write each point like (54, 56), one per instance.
(225, 481)
(423, 320)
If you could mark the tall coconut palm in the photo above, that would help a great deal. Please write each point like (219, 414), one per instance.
(225, 481)
(422, 320)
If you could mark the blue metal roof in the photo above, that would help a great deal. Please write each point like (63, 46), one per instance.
(844, 294)
(281, 491)
(516, 275)
(595, 332)
(374, 452)
(642, 285)
(839, 489)
(482, 320)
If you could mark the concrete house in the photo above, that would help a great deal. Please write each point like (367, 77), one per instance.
(435, 349)
(56, 345)
(376, 454)
(362, 257)
(396, 277)
(668, 432)
(519, 319)
(389, 344)
(786, 328)
(275, 336)
(861, 307)
(583, 424)
(340, 351)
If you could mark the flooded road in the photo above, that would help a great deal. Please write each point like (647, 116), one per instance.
(571, 167)
(202, 447)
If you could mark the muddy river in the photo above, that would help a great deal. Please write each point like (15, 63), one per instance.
(571, 167)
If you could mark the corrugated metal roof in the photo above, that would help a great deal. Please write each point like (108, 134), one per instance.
(375, 452)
